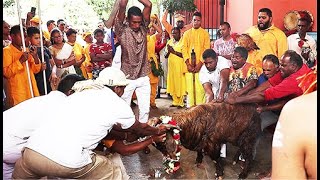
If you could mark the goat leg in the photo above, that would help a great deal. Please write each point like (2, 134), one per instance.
(236, 157)
(219, 168)
(199, 159)
(219, 160)
(247, 165)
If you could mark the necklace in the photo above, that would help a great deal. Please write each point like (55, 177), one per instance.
(172, 165)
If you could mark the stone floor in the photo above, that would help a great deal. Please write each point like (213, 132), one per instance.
(143, 166)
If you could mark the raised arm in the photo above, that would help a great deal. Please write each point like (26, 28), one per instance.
(122, 10)
(109, 23)
(168, 27)
(158, 29)
(147, 9)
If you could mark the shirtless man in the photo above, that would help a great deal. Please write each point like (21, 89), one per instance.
(294, 145)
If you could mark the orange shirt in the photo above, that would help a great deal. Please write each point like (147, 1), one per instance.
(17, 76)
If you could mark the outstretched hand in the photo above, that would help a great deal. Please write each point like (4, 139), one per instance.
(162, 129)
(159, 138)
(230, 100)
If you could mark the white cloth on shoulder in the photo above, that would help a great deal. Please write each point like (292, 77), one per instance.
(64, 54)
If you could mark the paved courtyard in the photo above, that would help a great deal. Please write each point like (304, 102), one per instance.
(144, 166)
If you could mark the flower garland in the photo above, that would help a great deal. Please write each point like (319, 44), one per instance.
(302, 43)
(172, 165)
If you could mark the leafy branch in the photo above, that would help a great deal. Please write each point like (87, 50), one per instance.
(179, 5)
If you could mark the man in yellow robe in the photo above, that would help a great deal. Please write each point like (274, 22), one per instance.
(152, 56)
(270, 39)
(198, 39)
(176, 82)
(14, 68)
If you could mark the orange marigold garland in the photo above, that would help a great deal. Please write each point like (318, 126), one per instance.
(172, 165)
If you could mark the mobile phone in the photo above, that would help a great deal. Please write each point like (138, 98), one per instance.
(33, 10)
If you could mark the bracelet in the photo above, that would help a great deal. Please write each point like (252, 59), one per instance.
(61, 66)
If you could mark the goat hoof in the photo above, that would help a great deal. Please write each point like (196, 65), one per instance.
(234, 163)
(218, 175)
(242, 175)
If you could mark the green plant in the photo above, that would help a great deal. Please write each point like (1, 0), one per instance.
(179, 5)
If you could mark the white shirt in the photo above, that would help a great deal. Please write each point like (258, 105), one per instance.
(20, 121)
(213, 77)
(77, 129)
(116, 61)
(107, 35)
(223, 47)
(293, 40)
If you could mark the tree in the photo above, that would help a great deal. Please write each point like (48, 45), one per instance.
(102, 7)
(179, 5)
(8, 3)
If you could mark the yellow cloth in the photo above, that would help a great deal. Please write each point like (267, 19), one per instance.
(271, 41)
(87, 61)
(176, 82)
(153, 94)
(46, 34)
(255, 57)
(151, 50)
(17, 75)
(199, 40)
(78, 52)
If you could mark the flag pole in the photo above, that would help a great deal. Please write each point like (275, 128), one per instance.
(42, 49)
(24, 46)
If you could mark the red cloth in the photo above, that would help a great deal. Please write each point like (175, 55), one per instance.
(100, 49)
(159, 46)
(285, 87)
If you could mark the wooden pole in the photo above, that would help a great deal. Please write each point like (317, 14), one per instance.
(42, 49)
(24, 46)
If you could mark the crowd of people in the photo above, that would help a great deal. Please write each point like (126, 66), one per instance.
(261, 65)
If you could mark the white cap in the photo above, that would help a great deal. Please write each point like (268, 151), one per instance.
(112, 76)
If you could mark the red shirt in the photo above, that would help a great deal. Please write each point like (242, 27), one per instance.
(100, 49)
(285, 87)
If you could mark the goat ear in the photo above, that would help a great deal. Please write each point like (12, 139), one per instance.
(171, 127)
(153, 121)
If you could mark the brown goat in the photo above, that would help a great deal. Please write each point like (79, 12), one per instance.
(205, 127)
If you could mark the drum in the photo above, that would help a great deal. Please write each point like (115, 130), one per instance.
(291, 19)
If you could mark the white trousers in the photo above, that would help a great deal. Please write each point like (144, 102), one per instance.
(116, 159)
(143, 90)
(12, 147)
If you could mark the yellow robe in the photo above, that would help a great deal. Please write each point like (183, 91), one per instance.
(199, 40)
(176, 82)
(255, 57)
(151, 46)
(78, 52)
(272, 41)
(17, 76)
(87, 61)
